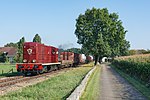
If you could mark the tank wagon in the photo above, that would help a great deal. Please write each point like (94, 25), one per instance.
(39, 58)
(89, 59)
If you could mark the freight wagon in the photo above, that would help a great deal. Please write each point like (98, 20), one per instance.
(67, 59)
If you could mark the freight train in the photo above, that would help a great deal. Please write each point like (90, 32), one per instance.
(39, 58)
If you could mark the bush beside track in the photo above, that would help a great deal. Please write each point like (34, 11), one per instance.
(58, 87)
(135, 66)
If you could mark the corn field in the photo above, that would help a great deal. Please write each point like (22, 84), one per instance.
(137, 66)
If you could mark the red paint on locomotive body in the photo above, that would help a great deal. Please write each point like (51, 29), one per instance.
(54, 54)
(36, 56)
(39, 53)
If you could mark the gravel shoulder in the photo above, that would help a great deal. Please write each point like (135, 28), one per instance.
(114, 87)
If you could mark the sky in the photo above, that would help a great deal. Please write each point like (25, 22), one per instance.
(54, 20)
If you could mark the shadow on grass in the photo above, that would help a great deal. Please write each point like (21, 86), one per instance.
(10, 74)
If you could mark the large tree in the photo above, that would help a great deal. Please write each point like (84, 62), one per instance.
(37, 38)
(101, 33)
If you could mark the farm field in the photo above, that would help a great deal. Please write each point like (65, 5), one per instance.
(136, 69)
(6, 70)
(56, 88)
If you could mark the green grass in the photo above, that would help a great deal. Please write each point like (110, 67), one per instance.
(58, 87)
(88, 65)
(92, 90)
(6, 68)
(139, 86)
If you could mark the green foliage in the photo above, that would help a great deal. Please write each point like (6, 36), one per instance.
(37, 38)
(135, 82)
(137, 67)
(101, 33)
(56, 88)
(75, 50)
(140, 51)
(6, 68)
(19, 45)
(3, 57)
(132, 52)
(11, 45)
(19, 57)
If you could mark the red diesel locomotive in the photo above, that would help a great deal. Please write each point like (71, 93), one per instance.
(39, 58)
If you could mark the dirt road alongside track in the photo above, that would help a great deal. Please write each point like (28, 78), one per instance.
(114, 87)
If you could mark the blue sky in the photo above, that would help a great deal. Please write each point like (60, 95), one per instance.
(55, 21)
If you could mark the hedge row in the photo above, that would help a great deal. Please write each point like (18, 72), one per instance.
(136, 69)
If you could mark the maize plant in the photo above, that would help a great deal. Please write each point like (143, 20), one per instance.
(137, 66)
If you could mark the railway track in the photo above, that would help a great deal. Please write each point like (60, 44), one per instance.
(9, 79)
(14, 80)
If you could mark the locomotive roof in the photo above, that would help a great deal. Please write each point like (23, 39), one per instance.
(39, 44)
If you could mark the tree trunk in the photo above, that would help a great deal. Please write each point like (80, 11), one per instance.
(100, 59)
(96, 59)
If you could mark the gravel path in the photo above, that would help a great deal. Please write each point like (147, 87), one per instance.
(114, 87)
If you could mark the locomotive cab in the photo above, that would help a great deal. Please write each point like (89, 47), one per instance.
(38, 58)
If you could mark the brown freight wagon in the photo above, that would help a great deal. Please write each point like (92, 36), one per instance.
(67, 58)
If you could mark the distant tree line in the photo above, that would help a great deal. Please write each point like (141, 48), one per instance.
(19, 46)
(75, 50)
(140, 51)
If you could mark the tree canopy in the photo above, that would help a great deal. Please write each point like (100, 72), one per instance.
(37, 38)
(101, 33)
(75, 50)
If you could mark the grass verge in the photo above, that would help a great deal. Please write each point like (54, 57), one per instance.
(6, 70)
(140, 87)
(58, 87)
(92, 89)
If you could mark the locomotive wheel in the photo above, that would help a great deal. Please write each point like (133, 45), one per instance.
(25, 74)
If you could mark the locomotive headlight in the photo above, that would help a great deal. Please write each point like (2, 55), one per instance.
(25, 60)
(33, 61)
(57, 52)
